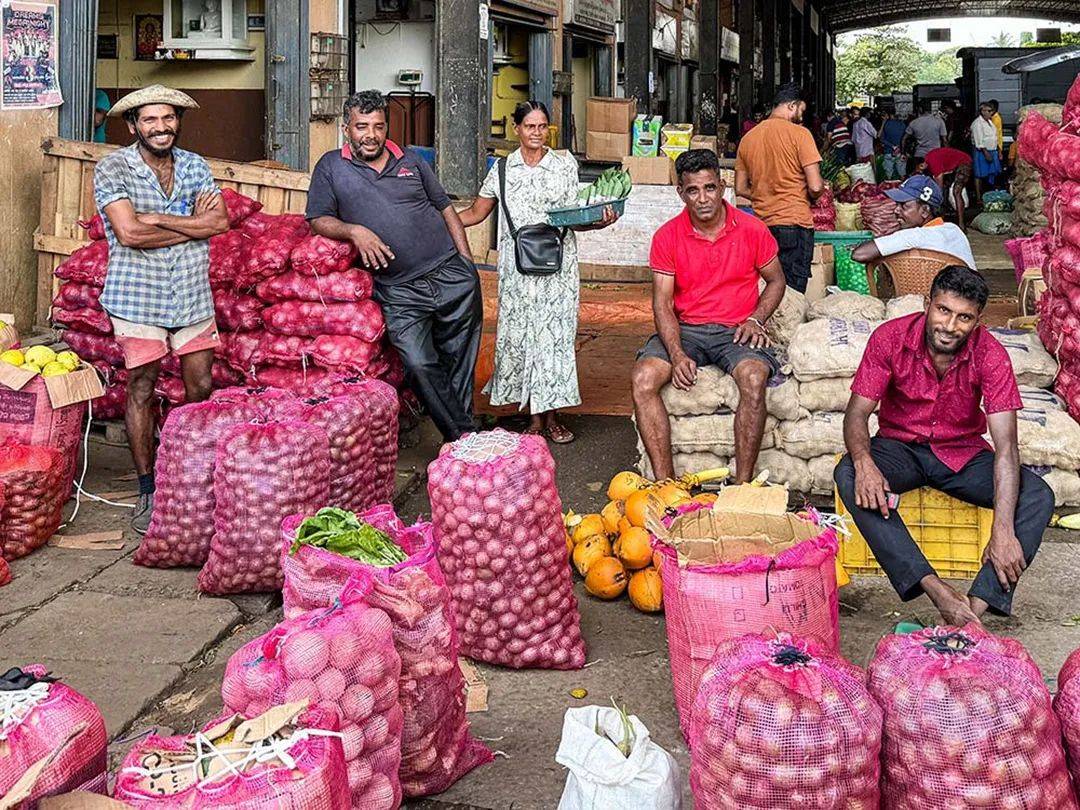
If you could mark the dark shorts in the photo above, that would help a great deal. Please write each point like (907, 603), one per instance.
(710, 345)
(796, 253)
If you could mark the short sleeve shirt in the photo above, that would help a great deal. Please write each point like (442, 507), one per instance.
(716, 282)
(774, 155)
(929, 133)
(169, 286)
(948, 412)
(944, 237)
(403, 204)
(945, 159)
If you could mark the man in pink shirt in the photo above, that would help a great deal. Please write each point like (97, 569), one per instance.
(940, 377)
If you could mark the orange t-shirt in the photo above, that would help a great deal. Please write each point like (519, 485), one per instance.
(773, 154)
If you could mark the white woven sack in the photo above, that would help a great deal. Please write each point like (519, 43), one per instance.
(1048, 438)
(788, 315)
(829, 394)
(715, 391)
(829, 347)
(1066, 486)
(905, 305)
(696, 462)
(1031, 363)
(783, 469)
(821, 473)
(849, 305)
(714, 433)
(1040, 398)
(819, 434)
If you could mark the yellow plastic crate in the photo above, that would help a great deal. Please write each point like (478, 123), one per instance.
(952, 534)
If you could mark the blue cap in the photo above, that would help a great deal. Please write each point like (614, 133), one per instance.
(918, 187)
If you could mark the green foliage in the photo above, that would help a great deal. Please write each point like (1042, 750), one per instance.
(939, 68)
(878, 64)
(1027, 40)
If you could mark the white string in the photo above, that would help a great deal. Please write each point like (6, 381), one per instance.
(79, 491)
(15, 705)
(485, 446)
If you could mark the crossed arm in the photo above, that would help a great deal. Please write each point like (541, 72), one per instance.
(148, 231)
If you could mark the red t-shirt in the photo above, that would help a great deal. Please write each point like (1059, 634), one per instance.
(918, 406)
(716, 282)
(945, 159)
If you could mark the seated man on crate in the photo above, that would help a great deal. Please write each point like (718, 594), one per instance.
(918, 206)
(160, 207)
(707, 263)
(940, 377)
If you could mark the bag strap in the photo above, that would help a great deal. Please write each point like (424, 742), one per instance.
(502, 198)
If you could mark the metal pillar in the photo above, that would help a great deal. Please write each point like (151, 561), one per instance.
(745, 17)
(462, 92)
(769, 38)
(709, 63)
(638, 16)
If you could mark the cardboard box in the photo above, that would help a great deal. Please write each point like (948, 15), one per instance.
(607, 145)
(650, 171)
(604, 114)
(705, 142)
(677, 135)
(822, 273)
(646, 141)
(80, 385)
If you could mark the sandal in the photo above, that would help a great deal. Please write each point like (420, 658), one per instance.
(559, 434)
(533, 431)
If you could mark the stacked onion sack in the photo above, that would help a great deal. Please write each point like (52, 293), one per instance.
(1055, 151)
(1067, 709)
(1026, 187)
(33, 488)
(502, 547)
(782, 722)
(824, 211)
(968, 723)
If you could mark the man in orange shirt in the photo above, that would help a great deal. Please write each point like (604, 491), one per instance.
(778, 167)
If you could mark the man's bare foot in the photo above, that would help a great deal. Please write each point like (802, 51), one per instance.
(954, 608)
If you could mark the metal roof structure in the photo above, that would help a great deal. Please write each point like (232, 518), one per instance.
(846, 15)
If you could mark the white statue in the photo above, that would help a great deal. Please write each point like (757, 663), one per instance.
(210, 19)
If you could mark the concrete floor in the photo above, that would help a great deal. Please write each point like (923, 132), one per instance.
(150, 651)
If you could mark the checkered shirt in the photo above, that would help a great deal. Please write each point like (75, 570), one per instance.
(169, 286)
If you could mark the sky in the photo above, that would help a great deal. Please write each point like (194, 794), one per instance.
(972, 31)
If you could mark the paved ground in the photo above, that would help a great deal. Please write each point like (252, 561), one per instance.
(151, 651)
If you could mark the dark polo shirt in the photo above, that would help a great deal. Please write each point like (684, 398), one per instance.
(402, 204)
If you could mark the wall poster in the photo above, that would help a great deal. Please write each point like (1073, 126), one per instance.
(28, 50)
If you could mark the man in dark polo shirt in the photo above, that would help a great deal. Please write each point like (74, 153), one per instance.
(387, 201)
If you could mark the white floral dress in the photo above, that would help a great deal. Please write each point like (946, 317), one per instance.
(535, 364)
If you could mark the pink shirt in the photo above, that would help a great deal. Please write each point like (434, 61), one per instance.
(948, 413)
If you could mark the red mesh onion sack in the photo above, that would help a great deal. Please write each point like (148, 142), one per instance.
(262, 474)
(75, 295)
(381, 404)
(5, 571)
(360, 319)
(267, 254)
(33, 480)
(85, 319)
(352, 284)
(1067, 709)
(265, 401)
(316, 255)
(236, 311)
(343, 353)
(180, 530)
(341, 659)
(498, 520)
(260, 223)
(237, 349)
(224, 376)
(94, 227)
(968, 723)
(793, 591)
(94, 347)
(171, 389)
(225, 258)
(1069, 669)
(879, 215)
(86, 265)
(37, 716)
(782, 722)
(300, 767)
(1054, 151)
(301, 381)
(238, 206)
(287, 351)
(113, 403)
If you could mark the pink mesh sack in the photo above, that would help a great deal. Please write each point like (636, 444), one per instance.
(298, 766)
(267, 254)
(315, 255)
(86, 265)
(94, 227)
(381, 404)
(436, 747)
(238, 206)
(113, 403)
(287, 351)
(343, 353)
(225, 258)
(301, 381)
(38, 716)
(261, 223)
(782, 722)
(265, 401)
(1056, 152)
(223, 376)
(28, 417)
(968, 723)
(238, 350)
(706, 603)
(85, 319)
(171, 389)
(180, 531)
(352, 284)
(360, 319)
(236, 311)
(1069, 669)
(75, 294)
(5, 571)
(341, 659)
(262, 474)
(498, 520)
(94, 347)
(33, 480)
(1067, 709)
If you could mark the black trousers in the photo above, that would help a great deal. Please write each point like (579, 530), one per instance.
(907, 466)
(434, 322)
(796, 245)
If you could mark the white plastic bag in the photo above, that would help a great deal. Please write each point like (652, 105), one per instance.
(601, 778)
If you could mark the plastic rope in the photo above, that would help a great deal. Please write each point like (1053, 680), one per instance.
(16, 705)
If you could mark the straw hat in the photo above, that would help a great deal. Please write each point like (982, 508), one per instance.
(154, 94)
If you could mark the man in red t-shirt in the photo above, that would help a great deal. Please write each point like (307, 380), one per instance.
(939, 377)
(708, 310)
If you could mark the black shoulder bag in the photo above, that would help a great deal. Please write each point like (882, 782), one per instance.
(538, 249)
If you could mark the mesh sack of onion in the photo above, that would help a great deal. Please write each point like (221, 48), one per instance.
(1067, 709)
(782, 722)
(436, 747)
(790, 586)
(351, 284)
(35, 488)
(94, 227)
(86, 265)
(341, 659)
(360, 319)
(229, 763)
(238, 206)
(76, 294)
(968, 723)
(38, 716)
(498, 520)
(263, 472)
(265, 250)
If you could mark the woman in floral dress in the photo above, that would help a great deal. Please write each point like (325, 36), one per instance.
(535, 363)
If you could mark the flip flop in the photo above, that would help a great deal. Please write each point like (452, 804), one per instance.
(559, 434)
(531, 431)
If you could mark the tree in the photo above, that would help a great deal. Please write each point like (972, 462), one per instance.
(939, 68)
(878, 64)
(1027, 40)
(1002, 40)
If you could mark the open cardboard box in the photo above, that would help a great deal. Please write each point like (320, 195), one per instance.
(80, 385)
(745, 521)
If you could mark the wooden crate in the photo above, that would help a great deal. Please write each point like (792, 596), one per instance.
(67, 196)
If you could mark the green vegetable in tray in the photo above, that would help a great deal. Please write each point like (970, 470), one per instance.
(342, 532)
(613, 184)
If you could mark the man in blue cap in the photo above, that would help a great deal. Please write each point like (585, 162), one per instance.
(918, 204)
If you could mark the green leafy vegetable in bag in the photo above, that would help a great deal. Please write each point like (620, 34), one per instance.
(342, 532)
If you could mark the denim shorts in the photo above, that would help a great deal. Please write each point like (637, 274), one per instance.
(710, 345)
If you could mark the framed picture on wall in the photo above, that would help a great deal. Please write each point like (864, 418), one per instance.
(148, 35)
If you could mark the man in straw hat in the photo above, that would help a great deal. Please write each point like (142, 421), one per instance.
(160, 207)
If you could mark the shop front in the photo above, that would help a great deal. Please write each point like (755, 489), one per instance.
(521, 60)
(589, 60)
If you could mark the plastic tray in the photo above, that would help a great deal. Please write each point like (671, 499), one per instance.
(583, 215)
(952, 534)
(842, 237)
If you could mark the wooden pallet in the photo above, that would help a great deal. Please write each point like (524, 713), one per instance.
(109, 431)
